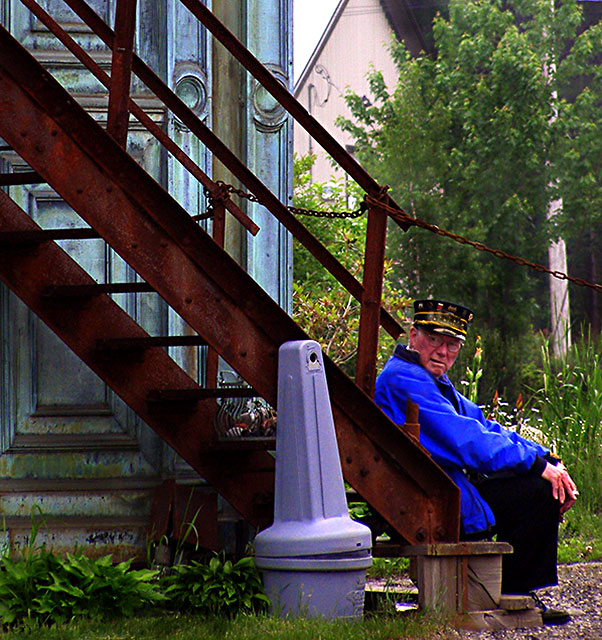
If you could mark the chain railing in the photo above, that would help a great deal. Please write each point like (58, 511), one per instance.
(405, 220)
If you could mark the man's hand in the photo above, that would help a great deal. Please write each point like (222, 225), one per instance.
(563, 487)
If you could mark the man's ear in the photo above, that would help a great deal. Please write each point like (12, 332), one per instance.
(412, 335)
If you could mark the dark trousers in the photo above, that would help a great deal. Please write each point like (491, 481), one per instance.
(527, 517)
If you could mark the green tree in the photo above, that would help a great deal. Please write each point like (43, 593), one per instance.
(578, 158)
(465, 141)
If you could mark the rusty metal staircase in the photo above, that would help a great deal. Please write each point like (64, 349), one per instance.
(178, 260)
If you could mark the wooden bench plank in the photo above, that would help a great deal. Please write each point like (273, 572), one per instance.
(456, 549)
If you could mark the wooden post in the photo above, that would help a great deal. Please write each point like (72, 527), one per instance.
(463, 580)
(219, 230)
(374, 259)
(121, 70)
(411, 426)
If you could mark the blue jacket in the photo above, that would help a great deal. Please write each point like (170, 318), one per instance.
(455, 432)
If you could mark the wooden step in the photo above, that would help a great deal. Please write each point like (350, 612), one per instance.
(37, 236)
(498, 619)
(238, 444)
(150, 342)
(200, 393)
(516, 602)
(479, 548)
(19, 178)
(88, 290)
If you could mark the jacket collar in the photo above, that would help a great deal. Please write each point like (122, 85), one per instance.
(403, 353)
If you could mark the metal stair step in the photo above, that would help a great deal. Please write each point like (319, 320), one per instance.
(239, 444)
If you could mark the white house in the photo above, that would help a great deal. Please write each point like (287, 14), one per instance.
(356, 38)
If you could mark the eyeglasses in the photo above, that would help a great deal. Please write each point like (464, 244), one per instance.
(435, 341)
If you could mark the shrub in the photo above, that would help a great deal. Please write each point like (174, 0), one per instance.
(99, 588)
(39, 588)
(219, 587)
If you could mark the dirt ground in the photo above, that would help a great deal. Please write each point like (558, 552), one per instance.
(579, 592)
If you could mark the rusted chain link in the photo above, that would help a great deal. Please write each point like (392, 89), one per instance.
(400, 216)
(358, 213)
(403, 218)
(229, 189)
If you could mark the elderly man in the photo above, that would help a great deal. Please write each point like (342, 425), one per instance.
(509, 485)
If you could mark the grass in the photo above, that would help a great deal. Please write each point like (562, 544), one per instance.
(580, 537)
(580, 540)
(244, 627)
(388, 568)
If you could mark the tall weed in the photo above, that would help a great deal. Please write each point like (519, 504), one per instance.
(570, 406)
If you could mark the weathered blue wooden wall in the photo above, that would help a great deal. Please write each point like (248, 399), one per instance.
(68, 445)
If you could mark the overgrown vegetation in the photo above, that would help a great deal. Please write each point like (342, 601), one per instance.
(48, 597)
(570, 404)
(320, 304)
(39, 588)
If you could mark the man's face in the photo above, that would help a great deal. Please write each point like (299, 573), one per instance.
(434, 350)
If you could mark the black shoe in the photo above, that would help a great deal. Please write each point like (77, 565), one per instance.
(550, 616)
(555, 616)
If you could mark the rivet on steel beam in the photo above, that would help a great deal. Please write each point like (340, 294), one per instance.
(163, 244)
(364, 472)
(53, 133)
(109, 188)
(243, 354)
(40, 148)
(402, 511)
(348, 459)
(79, 191)
(440, 533)
(376, 458)
(134, 245)
(421, 534)
(188, 300)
